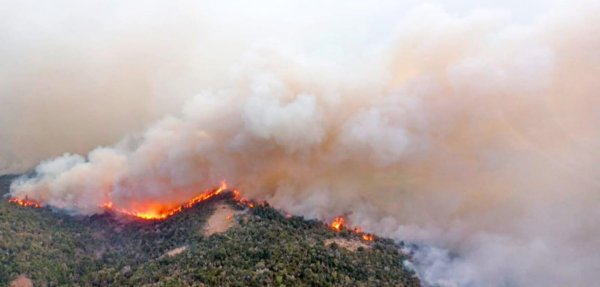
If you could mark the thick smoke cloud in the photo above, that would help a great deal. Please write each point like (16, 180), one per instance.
(472, 134)
(77, 75)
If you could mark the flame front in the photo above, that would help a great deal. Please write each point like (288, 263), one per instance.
(25, 202)
(238, 197)
(339, 223)
(158, 213)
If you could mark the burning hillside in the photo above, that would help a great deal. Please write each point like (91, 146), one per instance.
(339, 223)
(157, 211)
(152, 210)
(25, 202)
(262, 247)
(149, 211)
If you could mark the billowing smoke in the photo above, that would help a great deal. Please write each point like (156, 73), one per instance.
(474, 135)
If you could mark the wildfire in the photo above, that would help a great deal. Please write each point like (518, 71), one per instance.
(339, 223)
(25, 202)
(238, 197)
(159, 213)
(154, 212)
(162, 213)
(368, 237)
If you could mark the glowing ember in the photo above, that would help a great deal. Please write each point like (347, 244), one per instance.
(337, 224)
(25, 202)
(108, 205)
(368, 237)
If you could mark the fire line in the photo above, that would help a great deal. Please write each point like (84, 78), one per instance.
(339, 223)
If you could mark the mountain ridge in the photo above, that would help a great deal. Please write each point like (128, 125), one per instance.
(262, 248)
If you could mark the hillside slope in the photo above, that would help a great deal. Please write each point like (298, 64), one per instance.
(259, 247)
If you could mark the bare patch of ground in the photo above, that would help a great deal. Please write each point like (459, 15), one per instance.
(221, 220)
(21, 281)
(176, 251)
(349, 244)
(171, 253)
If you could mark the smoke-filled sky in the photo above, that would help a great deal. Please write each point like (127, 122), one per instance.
(471, 129)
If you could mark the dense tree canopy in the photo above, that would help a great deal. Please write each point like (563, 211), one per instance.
(264, 249)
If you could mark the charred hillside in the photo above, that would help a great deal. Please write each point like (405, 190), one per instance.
(218, 242)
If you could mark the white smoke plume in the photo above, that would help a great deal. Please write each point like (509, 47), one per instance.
(475, 134)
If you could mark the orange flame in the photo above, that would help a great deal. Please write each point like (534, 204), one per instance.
(238, 197)
(368, 237)
(337, 224)
(156, 212)
(159, 213)
(25, 202)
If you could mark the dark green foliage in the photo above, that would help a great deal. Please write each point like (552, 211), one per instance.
(266, 249)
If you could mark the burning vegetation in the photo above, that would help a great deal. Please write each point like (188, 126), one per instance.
(338, 224)
(262, 247)
(155, 211)
(25, 202)
(158, 212)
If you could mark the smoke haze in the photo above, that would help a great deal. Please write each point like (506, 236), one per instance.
(473, 132)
